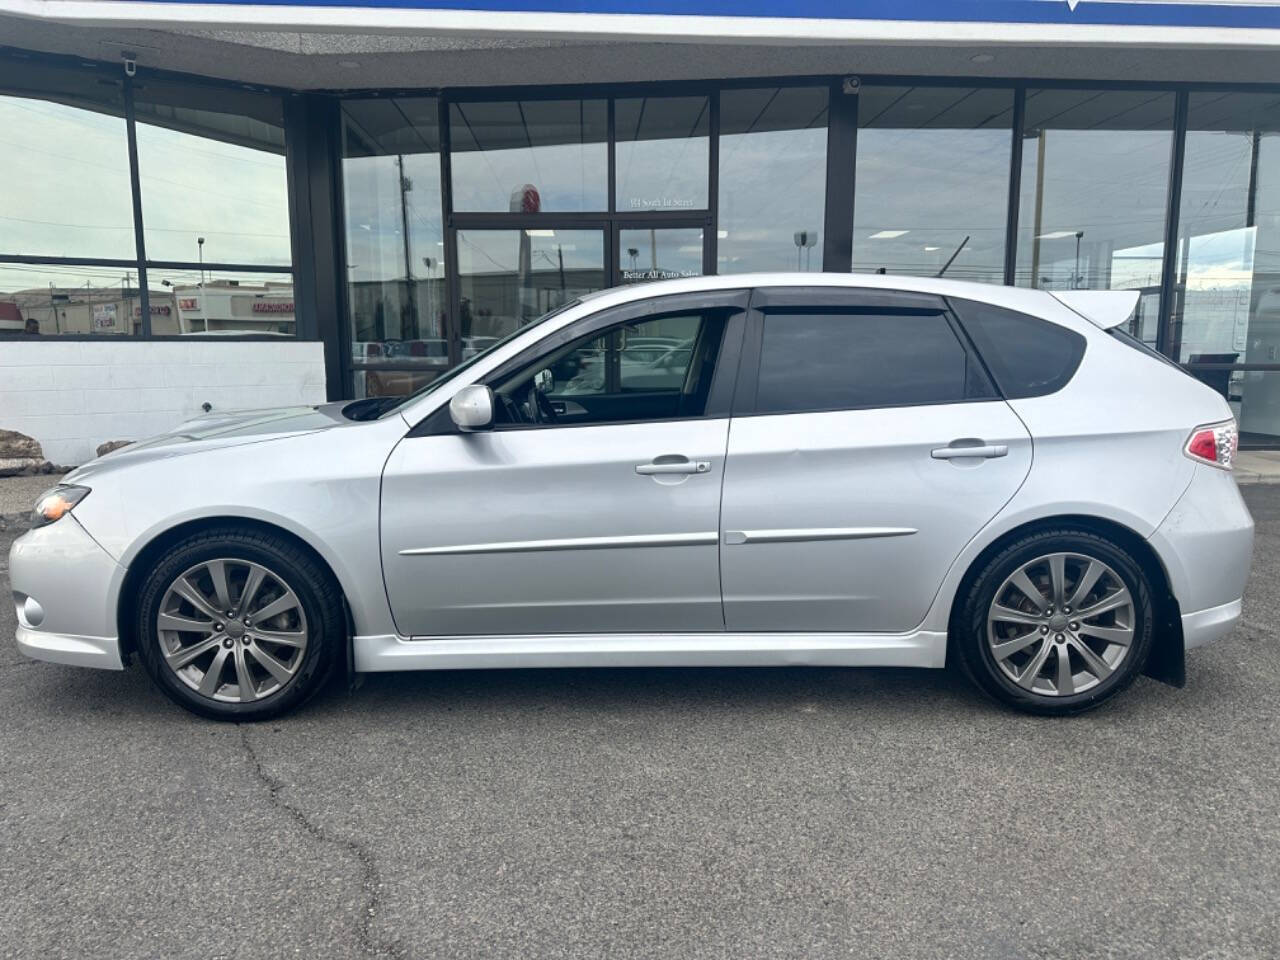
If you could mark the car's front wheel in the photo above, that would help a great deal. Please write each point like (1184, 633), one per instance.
(1056, 622)
(236, 624)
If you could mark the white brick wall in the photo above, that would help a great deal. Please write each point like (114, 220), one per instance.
(74, 395)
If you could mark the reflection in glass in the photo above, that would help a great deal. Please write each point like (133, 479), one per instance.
(51, 299)
(509, 277)
(663, 153)
(773, 179)
(374, 382)
(396, 287)
(659, 254)
(64, 164)
(1095, 181)
(189, 302)
(529, 156)
(1226, 306)
(212, 167)
(932, 181)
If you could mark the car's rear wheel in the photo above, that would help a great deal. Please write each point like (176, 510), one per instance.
(1056, 623)
(239, 625)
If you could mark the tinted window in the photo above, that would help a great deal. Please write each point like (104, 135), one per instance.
(652, 368)
(1028, 357)
(835, 360)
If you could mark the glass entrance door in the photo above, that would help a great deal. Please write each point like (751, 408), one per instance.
(661, 251)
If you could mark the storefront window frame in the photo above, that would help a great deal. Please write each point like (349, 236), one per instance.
(140, 264)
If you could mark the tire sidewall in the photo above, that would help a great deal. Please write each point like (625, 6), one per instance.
(976, 654)
(302, 577)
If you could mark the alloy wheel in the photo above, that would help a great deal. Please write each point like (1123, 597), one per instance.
(1061, 624)
(232, 630)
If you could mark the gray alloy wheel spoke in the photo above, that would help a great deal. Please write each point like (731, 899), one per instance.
(1058, 579)
(1080, 590)
(289, 638)
(180, 658)
(251, 585)
(1118, 635)
(1097, 666)
(269, 663)
(244, 679)
(224, 635)
(218, 574)
(281, 604)
(1009, 615)
(1066, 686)
(1023, 583)
(210, 682)
(173, 621)
(1003, 651)
(1028, 676)
(1088, 580)
(188, 592)
(1113, 602)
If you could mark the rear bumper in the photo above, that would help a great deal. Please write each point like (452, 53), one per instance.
(1205, 626)
(1206, 546)
(64, 593)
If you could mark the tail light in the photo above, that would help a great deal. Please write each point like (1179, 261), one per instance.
(1214, 444)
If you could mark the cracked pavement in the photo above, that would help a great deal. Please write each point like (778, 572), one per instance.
(643, 813)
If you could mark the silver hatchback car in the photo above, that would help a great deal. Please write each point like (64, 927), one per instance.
(813, 469)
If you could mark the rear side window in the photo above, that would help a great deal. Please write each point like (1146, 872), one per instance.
(848, 359)
(1028, 357)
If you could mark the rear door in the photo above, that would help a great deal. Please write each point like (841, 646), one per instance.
(867, 447)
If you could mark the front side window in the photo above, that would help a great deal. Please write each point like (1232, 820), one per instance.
(651, 368)
(850, 359)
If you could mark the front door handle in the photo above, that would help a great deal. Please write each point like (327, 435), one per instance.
(671, 464)
(970, 448)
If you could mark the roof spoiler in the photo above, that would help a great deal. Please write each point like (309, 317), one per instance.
(1103, 308)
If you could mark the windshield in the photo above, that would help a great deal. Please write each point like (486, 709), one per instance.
(467, 364)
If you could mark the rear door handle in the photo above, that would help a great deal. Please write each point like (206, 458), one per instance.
(672, 465)
(958, 449)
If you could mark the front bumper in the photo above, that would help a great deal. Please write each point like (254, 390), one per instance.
(74, 584)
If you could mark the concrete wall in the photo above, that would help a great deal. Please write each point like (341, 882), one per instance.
(74, 395)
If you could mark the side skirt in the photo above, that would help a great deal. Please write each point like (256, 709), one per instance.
(920, 648)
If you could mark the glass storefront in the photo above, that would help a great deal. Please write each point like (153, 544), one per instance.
(396, 288)
(1224, 323)
(530, 156)
(931, 183)
(213, 191)
(773, 179)
(1094, 190)
(510, 277)
(463, 215)
(663, 153)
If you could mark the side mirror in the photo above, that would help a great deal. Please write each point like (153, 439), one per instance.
(544, 381)
(472, 408)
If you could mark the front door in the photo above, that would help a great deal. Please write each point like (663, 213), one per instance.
(871, 449)
(592, 506)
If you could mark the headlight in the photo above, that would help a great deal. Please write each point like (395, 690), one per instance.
(57, 503)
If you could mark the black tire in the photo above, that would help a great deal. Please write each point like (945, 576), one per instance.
(969, 640)
(317, 593)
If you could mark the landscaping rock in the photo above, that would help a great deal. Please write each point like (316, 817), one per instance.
(19, 454)
(105, 448)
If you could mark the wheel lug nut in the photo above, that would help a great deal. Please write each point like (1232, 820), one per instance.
(1066, 609)
(1074, 626)
(1043, 628)
(217, 626)
(1059, 638)
(227, 642)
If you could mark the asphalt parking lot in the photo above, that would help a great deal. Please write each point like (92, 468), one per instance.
(650, 813)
